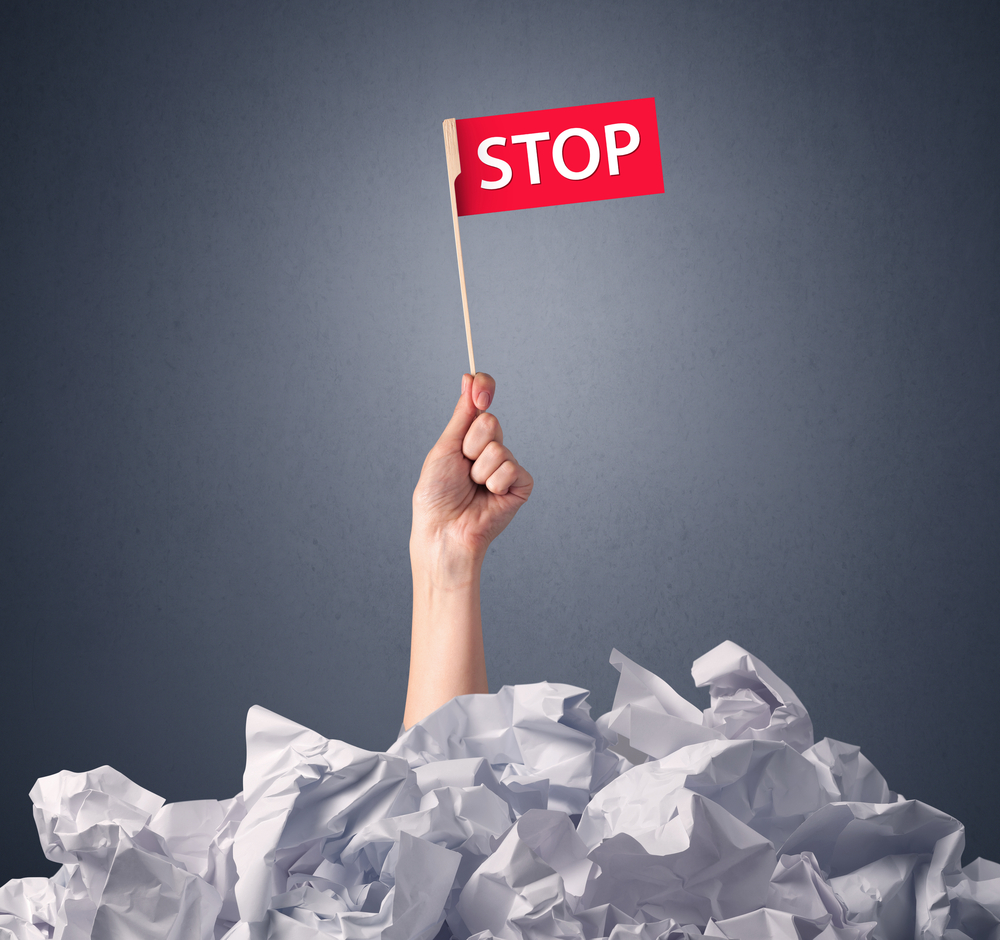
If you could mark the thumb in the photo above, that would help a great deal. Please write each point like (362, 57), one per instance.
(461, 420)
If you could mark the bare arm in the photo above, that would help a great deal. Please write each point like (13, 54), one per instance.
(469, 489)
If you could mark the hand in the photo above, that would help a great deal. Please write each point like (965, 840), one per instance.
(470, 486)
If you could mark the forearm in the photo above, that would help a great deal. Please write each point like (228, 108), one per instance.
(446, 643)
(470, 487)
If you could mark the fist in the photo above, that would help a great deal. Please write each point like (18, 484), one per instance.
(469, 489)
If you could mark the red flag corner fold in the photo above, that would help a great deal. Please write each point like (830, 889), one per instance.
(562, 155)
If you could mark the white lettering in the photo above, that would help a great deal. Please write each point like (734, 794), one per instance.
(531, 142)
(501, 165)
(557, 153)
(614, 152)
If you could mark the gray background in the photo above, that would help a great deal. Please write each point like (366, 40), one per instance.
(762, 406)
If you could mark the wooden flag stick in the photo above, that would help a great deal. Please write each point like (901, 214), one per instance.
(454, 168)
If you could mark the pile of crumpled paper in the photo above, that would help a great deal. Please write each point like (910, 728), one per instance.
(516, 815)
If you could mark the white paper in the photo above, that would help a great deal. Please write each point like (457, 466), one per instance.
(765, 784)
(539, 738)
(728, 823)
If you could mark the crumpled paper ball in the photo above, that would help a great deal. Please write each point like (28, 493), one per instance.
(516, 816)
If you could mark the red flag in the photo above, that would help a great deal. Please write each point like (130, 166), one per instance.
(547, 158)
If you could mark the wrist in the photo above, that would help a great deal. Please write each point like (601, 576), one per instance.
(439, 563)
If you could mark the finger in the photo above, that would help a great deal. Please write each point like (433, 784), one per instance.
(489, 461)
(461, 420)
(484, 387)
(510, 477)
(484, 429)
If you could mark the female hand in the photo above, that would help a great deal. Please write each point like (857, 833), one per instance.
(470, 486)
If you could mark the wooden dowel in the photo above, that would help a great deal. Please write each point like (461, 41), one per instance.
(454, 168)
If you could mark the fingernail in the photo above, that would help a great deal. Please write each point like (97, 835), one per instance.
(483, 401)
(465, 379)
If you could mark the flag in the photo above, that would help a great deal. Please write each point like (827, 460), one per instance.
(562, 155)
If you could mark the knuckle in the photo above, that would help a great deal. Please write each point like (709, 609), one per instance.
(489, 423)
(497, 451)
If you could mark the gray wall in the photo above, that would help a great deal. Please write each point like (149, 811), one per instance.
(762, 406)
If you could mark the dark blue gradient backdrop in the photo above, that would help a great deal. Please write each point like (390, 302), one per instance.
(762, 406)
